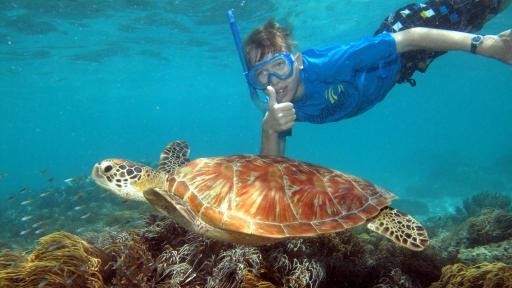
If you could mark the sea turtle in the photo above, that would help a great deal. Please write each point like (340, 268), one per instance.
(256, 200)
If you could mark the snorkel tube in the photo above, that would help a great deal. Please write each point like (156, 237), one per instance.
(261, 104)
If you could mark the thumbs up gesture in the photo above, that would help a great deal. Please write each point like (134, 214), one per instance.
(279, 116)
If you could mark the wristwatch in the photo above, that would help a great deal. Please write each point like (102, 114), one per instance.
(475, 42)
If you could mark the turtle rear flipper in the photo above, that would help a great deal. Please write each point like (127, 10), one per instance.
(401, 228)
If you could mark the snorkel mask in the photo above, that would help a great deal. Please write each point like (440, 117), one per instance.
(279, 66)
(260, 102)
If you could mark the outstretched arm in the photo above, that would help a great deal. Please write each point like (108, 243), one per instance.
(494, 46)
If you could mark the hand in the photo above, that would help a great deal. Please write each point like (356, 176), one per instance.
(280, 116)
(499, 47)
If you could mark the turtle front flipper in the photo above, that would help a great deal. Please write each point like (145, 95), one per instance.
(171, 206)
(401, 228)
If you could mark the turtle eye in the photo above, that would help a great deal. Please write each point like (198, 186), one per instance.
(107, 168)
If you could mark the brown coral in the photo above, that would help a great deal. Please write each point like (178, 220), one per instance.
(61, 259)
(485, 275)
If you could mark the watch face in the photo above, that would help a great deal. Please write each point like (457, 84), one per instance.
(476, 40)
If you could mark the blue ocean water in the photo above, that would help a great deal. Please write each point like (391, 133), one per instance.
(81, 81)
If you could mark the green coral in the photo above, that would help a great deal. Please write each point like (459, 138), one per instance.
(491, 226)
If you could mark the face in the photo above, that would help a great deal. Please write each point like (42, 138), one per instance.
(119, 176)
(282, 72)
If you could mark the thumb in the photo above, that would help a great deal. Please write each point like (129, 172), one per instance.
(271, 96)
(506, 34)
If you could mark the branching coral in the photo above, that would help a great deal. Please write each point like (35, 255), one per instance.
(305, 273)
(61, 259)
(232, 264)
(187, 265)
(485, 275)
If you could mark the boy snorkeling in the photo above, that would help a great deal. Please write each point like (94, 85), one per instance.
(338, 82)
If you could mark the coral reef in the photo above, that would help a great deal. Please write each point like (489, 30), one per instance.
(485, 219)
(485, 275)
(162, 254)
(165, 255)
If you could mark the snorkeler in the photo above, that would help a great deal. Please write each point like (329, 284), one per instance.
(338, 82)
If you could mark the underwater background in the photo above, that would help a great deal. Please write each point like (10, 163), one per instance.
(81, 81)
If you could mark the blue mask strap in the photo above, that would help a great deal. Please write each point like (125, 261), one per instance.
(262, 105)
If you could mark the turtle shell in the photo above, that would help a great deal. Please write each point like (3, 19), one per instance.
(275, 197)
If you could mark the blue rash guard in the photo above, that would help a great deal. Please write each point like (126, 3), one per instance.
(344, 81)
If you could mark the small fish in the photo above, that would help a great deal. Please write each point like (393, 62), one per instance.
(44, 194)
(85, 216)
(79, 230)
(78, 207)
(37, 224)
(25, 232)
(23, 190)
(26, 202)
(25, 218)
(50, 180)
(40, 230)
(70, 181)
(12, 197)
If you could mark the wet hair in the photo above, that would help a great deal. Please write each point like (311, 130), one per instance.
(268, 39)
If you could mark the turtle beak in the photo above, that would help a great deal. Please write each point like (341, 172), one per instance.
(94, 173)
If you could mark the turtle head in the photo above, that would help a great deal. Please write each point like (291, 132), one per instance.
(126, 178)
